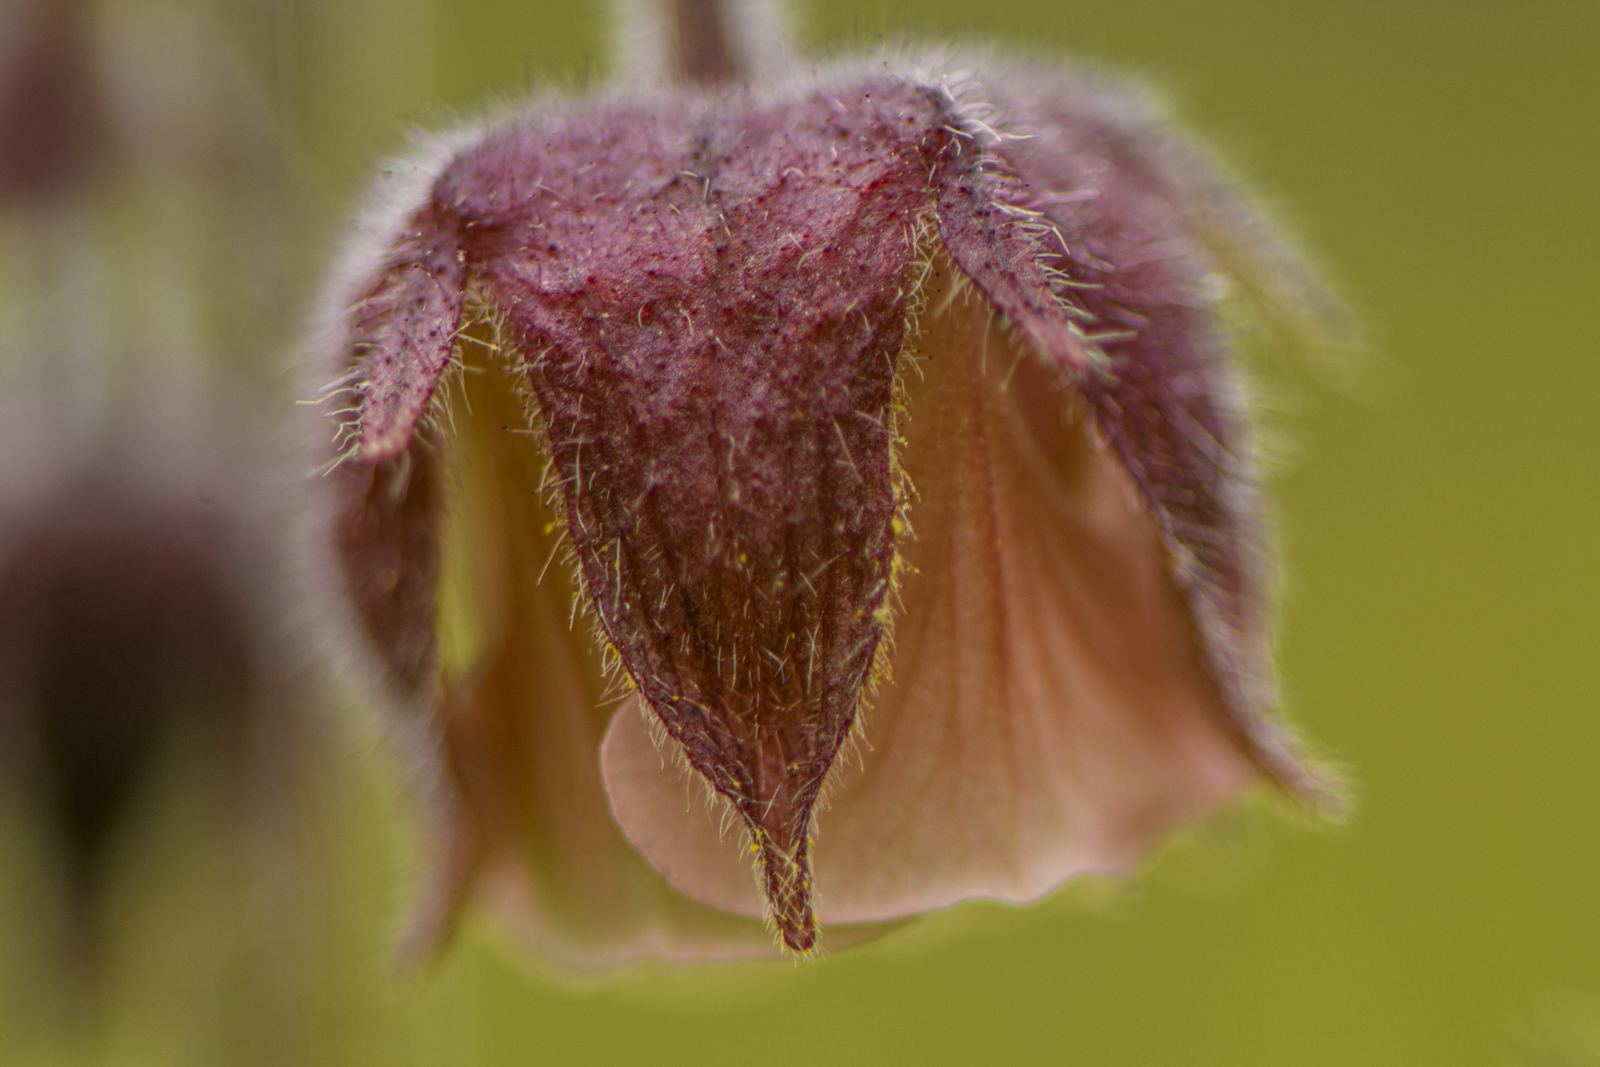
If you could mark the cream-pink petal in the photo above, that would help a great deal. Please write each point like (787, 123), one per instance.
(523, 714)
(1049, 713)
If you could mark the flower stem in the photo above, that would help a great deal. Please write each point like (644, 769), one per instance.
(701, 46)
(701, 42)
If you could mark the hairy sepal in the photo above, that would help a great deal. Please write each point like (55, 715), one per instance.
(403, 331)
(1146, 239)
(711, 314)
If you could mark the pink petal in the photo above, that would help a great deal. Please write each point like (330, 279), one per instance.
(1151, 234)
(1049, 714)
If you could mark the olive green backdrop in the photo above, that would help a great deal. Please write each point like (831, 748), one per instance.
(1441, 639)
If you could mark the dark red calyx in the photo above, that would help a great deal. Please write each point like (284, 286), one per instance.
(709, 303)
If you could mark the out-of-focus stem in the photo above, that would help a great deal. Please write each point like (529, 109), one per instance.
(701, 42)
(50, 122)
(699, 47)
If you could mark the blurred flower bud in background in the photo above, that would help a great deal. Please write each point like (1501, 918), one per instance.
(155, 733)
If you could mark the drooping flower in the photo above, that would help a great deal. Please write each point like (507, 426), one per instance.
(882, 420)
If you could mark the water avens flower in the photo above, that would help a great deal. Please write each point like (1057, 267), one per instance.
(881, 419)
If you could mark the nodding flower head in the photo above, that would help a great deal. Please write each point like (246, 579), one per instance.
(881, 422)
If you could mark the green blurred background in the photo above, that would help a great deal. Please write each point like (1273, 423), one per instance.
(1439, 618)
